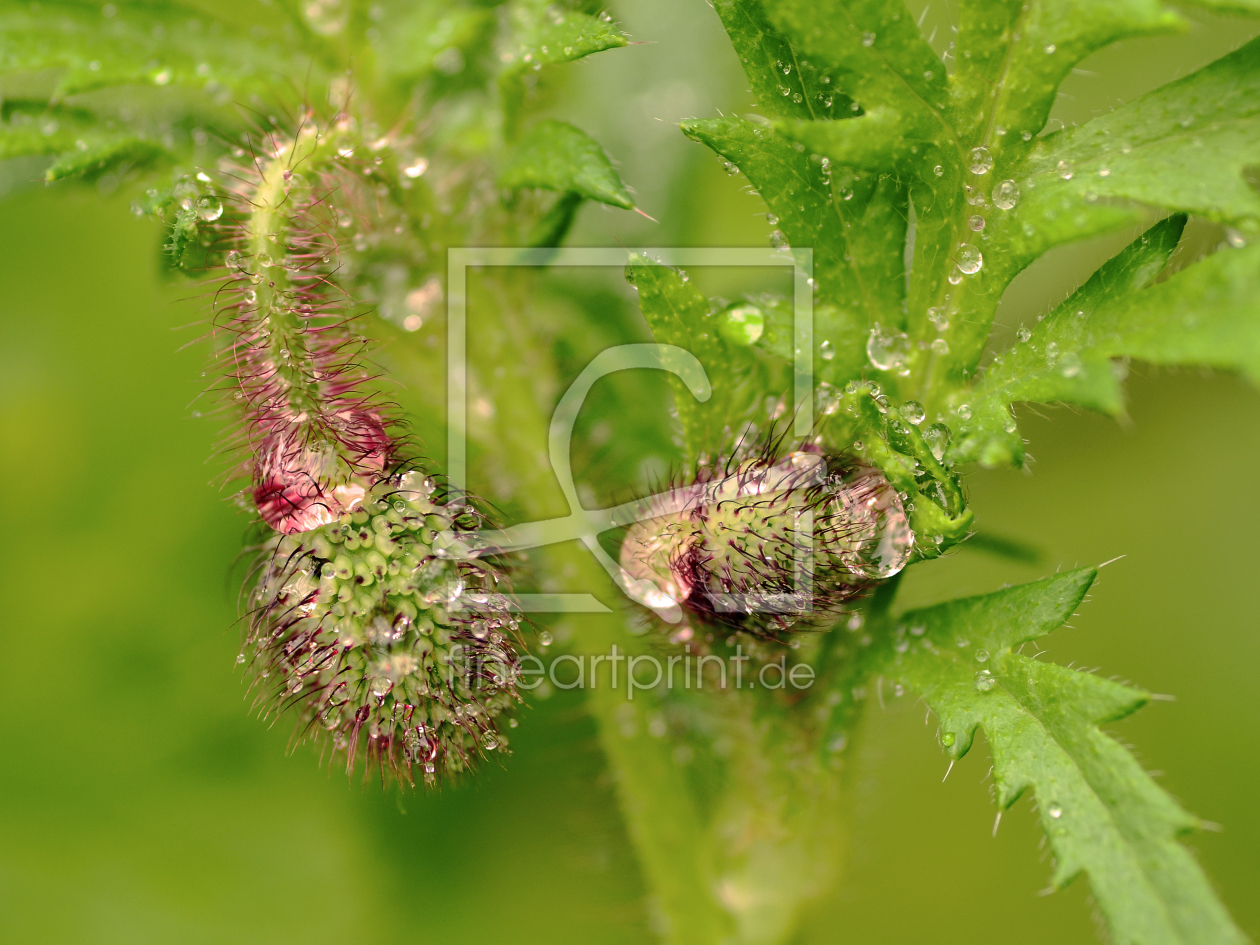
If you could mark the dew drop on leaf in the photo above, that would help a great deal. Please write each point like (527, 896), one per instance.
(868, 39)
(1006, 195)
(985, 681)
(1064, 169)
(970, 259)
(826, 351)
(940, 346)
(913, 412)
(1054, 810)
(1023, 335)
(980, 161)
(889, 350)
(976, 223)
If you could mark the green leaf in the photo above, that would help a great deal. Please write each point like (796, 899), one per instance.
(412, 48)
(1185, 146)
(565, 37)
(555, 155)
(1057, 363)
(784, 84)
(679, 314)
(854, 221)
(1102, 814)
(145, 45)
(874, 53)
(107, 154)
(1013, 55)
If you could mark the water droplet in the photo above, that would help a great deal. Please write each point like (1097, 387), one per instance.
(1050, 49)
(827, 351)
(937, 437)
(1008, 423)
(976, 222)
(1054, 810)
(913, 411)
(954, 277)
(940, 346)
(742, 325)
(948, 739)
(209, 207)
(974, 195)
(970, 260)
(887, 351)
(778, 240)
(1064, 169)
(938, 318)
(1023, 335)
(1052, 353)
(416, 168)
(1104, 172)
(985, 681)
(249, 296)
(963, 411)
(545, 638)
(772, 219)
(1006, 195)
(868, 39)
(980, 161)
(240, 657)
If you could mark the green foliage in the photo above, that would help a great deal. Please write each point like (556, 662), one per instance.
(1102, 813)
(865, 139)
(967, 154)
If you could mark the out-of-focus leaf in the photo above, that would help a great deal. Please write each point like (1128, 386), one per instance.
(430, 38)
(555, 155)
(132, 44)
(1102, 814)
(564, 37)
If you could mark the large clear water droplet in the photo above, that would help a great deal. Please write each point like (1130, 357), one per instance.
(209, 207)
(970, 259)
(980, 161)
(878, 541)
(1006, 195)
(742, 325)
(888, 350)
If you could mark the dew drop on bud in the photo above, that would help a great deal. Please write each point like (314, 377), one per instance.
(209, 207)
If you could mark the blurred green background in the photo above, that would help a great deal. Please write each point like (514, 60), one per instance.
(141, 802)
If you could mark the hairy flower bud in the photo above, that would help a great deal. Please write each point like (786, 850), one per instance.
(371, 614)
(761, 545)
(386, 632)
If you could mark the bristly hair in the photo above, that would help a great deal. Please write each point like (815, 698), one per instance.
(372, 613)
